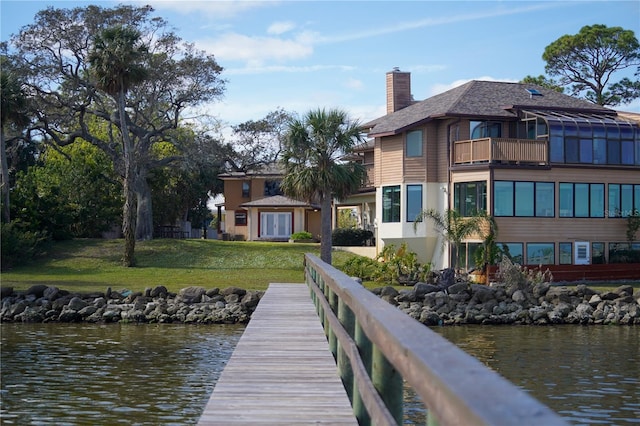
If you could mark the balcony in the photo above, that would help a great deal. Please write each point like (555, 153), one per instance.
(501, 151)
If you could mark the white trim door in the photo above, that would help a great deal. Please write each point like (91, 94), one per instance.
(582, 255)
(275, 225)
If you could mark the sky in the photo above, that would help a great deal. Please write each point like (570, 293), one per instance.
(303, 55)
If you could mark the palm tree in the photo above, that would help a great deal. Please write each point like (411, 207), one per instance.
(314, 170)
(13, 111)
(116, 60)
(452, 226)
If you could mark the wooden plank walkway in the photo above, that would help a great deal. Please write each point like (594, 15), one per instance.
(281, 371)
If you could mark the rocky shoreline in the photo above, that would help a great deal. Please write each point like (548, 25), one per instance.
(540, 304)
(431, 304)
(196, 305)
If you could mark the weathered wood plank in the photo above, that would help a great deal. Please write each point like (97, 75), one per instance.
(281, 372)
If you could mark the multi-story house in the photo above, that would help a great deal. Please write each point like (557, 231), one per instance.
(560, 175)
(256, 209)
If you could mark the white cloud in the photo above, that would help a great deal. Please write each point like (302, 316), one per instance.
(255, 50)
(282, 27)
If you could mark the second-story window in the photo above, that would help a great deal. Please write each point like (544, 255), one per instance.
(246, 189)
(414, 144)
(271, 188)
(485, 129)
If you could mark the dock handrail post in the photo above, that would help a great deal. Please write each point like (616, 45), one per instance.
(332, 298)
(347, 319)
(388, 381)
(365, 349)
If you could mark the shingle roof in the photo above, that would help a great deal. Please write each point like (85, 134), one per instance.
(490, 99)
(277, 201)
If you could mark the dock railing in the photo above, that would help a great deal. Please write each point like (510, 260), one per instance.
(377, 347)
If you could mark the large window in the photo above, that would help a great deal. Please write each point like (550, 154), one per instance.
(623, 199)
(241, 218)
(485, 129)
(523, 199)
(414, 202)
(590, 139)
(470, 198)
(540, 254)
(414, 144)
(391, 203)
(581, 199)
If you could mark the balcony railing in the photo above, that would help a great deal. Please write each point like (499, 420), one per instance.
(501, 150)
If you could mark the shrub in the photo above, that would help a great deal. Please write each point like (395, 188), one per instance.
(520, 277)
(361, 267)
(350, 237)
(18, 244)
(400, 266)
(302, 235)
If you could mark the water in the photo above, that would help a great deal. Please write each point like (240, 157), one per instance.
(588, 375)
(80, 374)
(71, 374)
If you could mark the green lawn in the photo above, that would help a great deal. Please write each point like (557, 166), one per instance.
(87, 265)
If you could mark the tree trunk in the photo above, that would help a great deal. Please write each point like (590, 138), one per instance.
(325, 229)
(6, 213)
(129, 209)
(144, 224)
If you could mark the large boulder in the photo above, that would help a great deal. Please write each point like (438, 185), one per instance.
(191, 295)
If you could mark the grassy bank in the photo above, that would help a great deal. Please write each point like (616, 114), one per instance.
(93, 265)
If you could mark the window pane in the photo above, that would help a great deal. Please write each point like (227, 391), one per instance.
(597, 253)
(513, 251)
(597, 200)
(545, 199)
(414, 202)
(469, 205)
(571, 153)
(627, 152)
(581, 199)
(566, 200)
(503, 194)
(613, 152)
(391, 203)
(586, 151)
(614, 200)
(414, 143)
(524, 198)
(565, 253)
(626, 198)
(245, 189)
(540, 254)
(599, 151)
(636, 198)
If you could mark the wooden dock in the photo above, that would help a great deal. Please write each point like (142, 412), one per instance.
(282, 371)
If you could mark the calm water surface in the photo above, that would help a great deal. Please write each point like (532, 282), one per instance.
(588, 375)
(71, 374)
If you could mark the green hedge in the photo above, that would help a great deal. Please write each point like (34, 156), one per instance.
(350, 237)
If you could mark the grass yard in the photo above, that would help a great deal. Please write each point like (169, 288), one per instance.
(86, 265)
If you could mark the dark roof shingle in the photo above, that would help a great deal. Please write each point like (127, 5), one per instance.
(476, 98)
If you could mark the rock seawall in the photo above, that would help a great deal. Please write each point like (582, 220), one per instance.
(542, 304)
(42, 303)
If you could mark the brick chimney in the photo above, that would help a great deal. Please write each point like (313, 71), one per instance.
(398, 90)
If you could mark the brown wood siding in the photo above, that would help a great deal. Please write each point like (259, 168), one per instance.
(415, 168)
(233, 192)
(563, 229)
(389, 153)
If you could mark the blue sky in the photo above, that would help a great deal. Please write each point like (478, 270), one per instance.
(301, 55)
